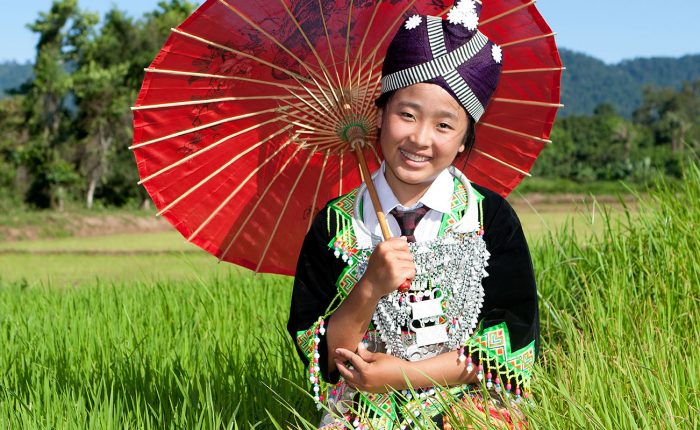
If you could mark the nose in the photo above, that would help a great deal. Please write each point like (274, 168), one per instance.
(421, 134)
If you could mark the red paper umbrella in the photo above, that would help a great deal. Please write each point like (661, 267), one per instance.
(244, 123)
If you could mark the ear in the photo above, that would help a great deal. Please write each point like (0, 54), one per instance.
(461, 148)
(380, 115)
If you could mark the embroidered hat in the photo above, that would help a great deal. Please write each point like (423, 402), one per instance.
(451, 53)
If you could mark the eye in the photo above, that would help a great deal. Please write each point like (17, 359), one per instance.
(406, 115)
(445, 126)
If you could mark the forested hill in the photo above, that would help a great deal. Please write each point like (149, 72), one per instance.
(12, 75)
(589, 82)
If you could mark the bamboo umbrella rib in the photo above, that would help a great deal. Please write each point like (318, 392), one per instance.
(340, 181)
(209, 101)
(528, 102)
(313, 96)
(221, 169)
(325, 96)
(322, 119)
(268, 36)
(517, 133)
(346, 56)
(283, 211)
(321, 140)
(317, 132)
(540, 70)
(303, 117)
(324, 70)
(502, 162)
(364, 103)
(241, 53)
(258, 202)
(209, 75)
(527, 39)
(204, 150)
(238, 188)
(291, 108)
(376, 155)
(328, 40)
(325, 143)
(318, 187)
(308, 128)
(364, 36)
(506, 13)
(375, 81)
(329, 147)
(202, 127)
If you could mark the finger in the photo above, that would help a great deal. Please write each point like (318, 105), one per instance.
(401, 256)
(364, 353)
(354, 359)
(397, 243)
(344, 371)
(343, 353)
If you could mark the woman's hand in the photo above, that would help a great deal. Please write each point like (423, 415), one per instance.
(390, 264)
(373, 372)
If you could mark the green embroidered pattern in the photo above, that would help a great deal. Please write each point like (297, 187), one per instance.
(493, 344)
(305, 340)
(344, 210)
(460, 201)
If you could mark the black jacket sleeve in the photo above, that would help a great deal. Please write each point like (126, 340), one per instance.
(510, 290)
(315, 292)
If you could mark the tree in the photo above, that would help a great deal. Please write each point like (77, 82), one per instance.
(47, 109)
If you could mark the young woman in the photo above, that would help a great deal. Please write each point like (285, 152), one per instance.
(470, 314)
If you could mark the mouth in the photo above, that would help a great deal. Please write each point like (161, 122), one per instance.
(414, 157)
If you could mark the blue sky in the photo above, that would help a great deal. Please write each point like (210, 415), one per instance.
(611, 30)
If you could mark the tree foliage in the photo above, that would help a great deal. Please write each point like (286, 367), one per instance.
(70, 125)
(64, 134)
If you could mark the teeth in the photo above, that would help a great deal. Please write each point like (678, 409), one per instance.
(414, 157)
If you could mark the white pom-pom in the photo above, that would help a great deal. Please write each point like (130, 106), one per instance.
(497, 54)
(413, 22)
(464, 13)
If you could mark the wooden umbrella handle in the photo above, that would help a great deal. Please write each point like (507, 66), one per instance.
(367, 178)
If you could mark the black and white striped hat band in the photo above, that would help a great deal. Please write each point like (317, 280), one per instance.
(442, 65)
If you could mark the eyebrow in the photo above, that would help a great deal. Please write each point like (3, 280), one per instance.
(416, 106)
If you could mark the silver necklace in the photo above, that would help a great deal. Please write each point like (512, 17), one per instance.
(441, 309)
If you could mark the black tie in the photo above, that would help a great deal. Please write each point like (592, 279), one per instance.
(408, 220)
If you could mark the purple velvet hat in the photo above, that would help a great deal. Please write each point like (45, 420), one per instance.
(450, 53)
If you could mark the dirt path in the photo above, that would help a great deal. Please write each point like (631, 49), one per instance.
(47, 225)
(52, 225)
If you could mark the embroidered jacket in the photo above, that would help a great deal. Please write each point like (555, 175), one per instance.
(506, 340)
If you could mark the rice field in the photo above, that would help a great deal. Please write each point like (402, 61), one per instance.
(170, 339)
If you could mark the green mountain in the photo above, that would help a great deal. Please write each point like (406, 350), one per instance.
(12, 75)
(588, 82)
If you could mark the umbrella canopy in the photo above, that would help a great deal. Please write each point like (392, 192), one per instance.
(241, 128)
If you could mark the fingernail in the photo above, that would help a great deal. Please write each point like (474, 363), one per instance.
(337, 351)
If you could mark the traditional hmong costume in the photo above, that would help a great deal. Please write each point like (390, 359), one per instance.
(474, 292)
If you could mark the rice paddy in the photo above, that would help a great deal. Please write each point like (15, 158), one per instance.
(95, 338)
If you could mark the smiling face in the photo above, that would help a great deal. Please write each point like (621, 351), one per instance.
(423, 130)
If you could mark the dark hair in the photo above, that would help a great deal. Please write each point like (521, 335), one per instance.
(469, 137)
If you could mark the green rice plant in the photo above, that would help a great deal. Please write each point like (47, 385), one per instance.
(619, 319)
(619, 312)
(162, 355)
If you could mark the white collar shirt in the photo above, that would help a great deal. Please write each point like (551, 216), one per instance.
(438, 198)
